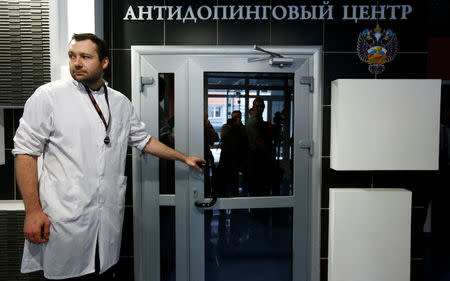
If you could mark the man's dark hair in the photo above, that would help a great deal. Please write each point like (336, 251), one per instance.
(258, 99)
(102, 47)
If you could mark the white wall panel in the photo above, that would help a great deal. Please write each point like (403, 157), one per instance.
(385, 124)
(369, 234)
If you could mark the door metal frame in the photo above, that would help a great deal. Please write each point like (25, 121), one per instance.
(146, 188)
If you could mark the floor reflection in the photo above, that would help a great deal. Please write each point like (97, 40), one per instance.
(248, 244)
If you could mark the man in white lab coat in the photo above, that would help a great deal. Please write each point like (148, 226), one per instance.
(81, 127)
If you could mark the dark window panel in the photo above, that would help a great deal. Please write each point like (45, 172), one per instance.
(8, 115)
(326, 123)
(7, 176)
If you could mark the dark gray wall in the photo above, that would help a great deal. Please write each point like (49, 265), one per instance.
(429, 19)
(338, 37)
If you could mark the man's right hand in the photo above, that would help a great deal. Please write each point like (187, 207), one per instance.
(36, 227)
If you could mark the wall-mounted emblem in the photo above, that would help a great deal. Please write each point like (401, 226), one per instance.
(377, 47)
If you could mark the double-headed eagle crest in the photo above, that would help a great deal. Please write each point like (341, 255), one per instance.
(377, 47)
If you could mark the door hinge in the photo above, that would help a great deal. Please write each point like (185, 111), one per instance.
(307, 144)
(146, 81)
(308, 80)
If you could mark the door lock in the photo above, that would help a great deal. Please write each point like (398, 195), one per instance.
(195, 193)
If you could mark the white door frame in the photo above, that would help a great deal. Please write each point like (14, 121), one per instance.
(146, 188)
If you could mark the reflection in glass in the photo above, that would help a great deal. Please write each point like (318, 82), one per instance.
(166, 131)
(167, 237)
(253, 156)
(248, 244)
(272, 93)
(217, 112)
(225, 80)
(266, 82)
(217, 92)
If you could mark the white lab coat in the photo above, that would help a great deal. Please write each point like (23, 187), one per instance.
(82, 183)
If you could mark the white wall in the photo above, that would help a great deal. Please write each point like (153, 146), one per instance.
(369, 234)
(385, 124)
(68, 17)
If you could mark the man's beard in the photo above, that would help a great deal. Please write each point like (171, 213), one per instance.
(87, 79)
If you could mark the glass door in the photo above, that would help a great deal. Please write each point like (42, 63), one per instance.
(249, 211)
(249, 214)
(250, 154)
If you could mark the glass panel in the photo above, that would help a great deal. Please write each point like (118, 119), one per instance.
(248, 244)
(223, 80)
(166, 131)
(264, 113)
(254, 154)
(167, 238)
(266, 82)
(217, 92)
(271, 93)
(216, 116)
(235, 102)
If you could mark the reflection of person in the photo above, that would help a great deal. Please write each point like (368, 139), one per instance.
(233, 154)
(210, 138)
(166, 121)
(166, 133)
(261, 162)
(251, 111)
(75, 210)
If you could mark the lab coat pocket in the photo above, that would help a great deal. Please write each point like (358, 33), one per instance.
(61, 200)
(119, 139)
(115, 188)
(117, 206)
(122, 184)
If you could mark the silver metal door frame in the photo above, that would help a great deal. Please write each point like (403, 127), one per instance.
(181, 60)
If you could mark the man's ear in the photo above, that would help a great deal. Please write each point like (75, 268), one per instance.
(105, 62)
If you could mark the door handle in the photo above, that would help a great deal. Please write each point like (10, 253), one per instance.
(207, 202)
